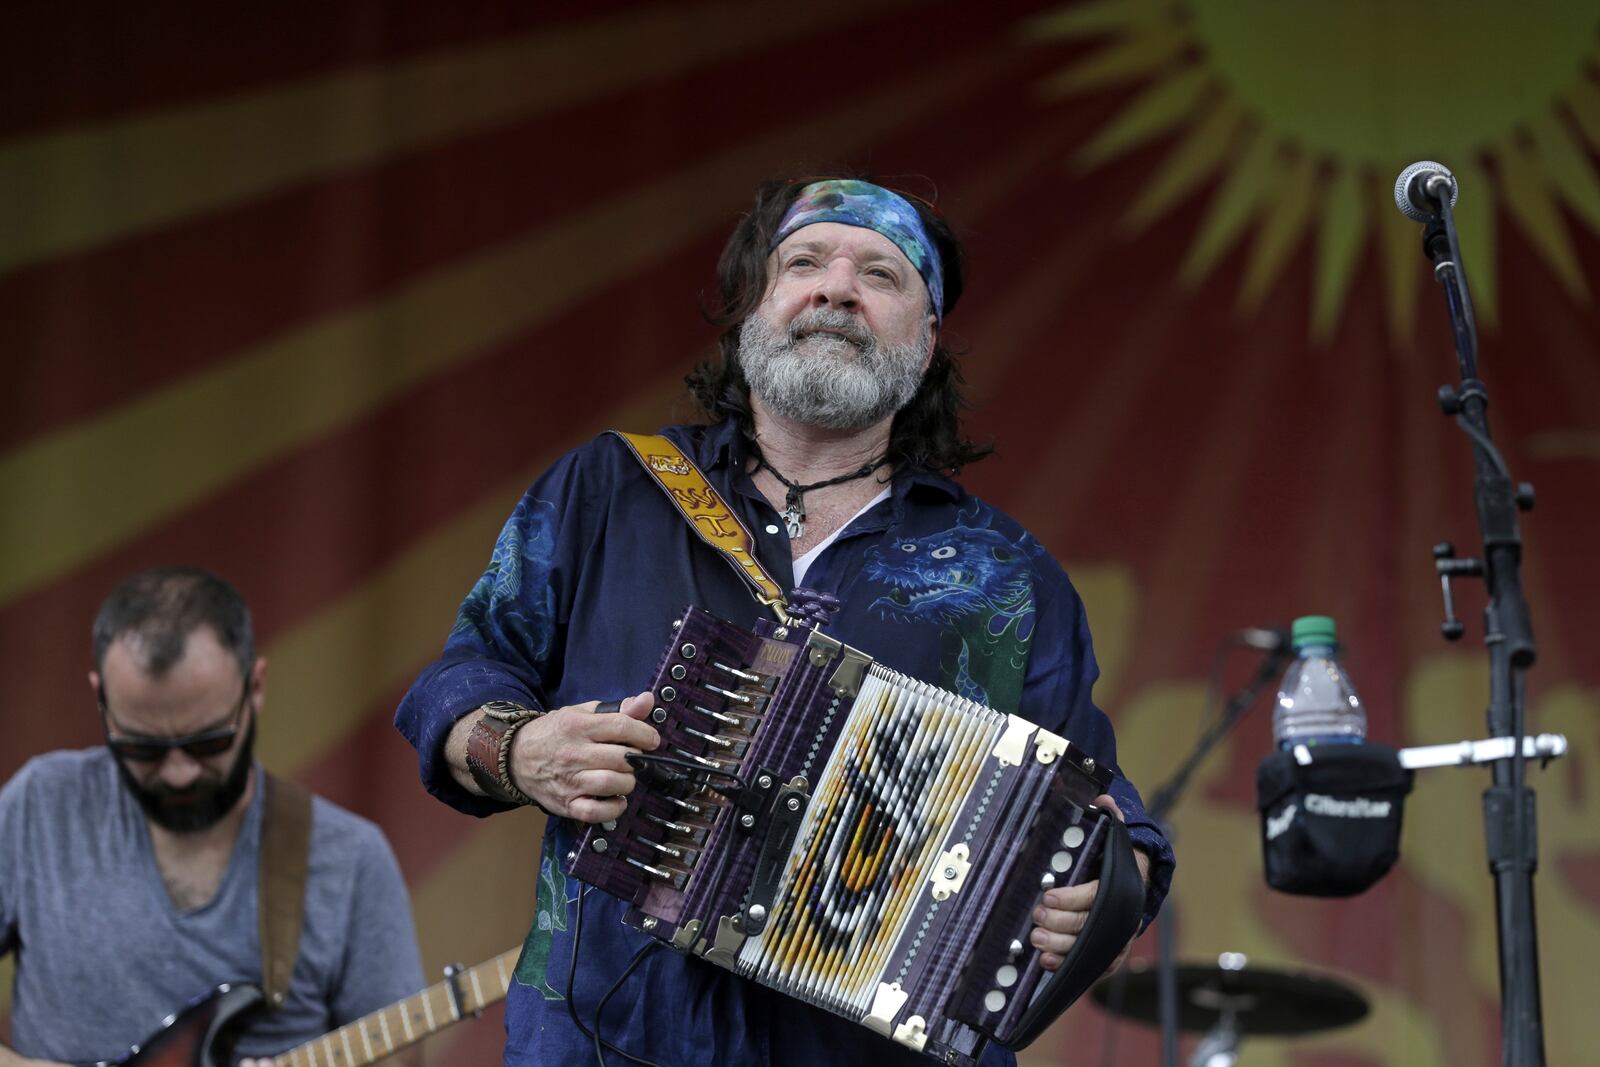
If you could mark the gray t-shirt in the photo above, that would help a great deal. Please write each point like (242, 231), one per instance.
(103, 955)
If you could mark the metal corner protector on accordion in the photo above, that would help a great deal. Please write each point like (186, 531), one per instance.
(862, 841)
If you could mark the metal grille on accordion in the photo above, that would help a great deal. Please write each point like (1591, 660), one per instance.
(854, 838)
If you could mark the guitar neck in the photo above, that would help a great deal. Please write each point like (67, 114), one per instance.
(372, 1037)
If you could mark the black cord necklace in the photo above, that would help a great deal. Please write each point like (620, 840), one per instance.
(794, 505)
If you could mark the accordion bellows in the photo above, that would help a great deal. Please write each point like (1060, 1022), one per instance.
(862, 841)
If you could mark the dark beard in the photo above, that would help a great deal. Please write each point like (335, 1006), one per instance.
(203, 804)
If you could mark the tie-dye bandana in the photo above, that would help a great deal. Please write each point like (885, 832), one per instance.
(859, 203)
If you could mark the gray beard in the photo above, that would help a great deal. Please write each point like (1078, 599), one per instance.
(836, 383)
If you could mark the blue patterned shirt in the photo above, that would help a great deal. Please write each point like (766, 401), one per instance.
(577, 603)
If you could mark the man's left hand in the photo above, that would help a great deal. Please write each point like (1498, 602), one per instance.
(1065, 910)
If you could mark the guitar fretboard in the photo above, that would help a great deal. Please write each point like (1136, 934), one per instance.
(372, 1037)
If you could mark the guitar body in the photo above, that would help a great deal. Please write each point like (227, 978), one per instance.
(201, 1035)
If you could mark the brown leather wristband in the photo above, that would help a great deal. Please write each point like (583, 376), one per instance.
(489, 750)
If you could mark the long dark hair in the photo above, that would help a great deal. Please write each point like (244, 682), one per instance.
(926, 432)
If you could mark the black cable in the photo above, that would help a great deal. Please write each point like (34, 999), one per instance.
(1484, 442)
(638, 957)
(572, 967)
(572, 1007)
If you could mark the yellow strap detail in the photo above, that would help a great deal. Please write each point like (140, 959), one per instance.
(706, 512)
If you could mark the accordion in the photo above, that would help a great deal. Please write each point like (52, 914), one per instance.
(862, 841)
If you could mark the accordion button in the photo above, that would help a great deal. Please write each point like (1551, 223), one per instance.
(1006, 976)
(679, 672)
(1073, 837)
(1047, 882)
(1061, 862)
(994, 1000)
(688, 651)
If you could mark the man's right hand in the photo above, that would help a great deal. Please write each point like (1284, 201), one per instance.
(574, 761)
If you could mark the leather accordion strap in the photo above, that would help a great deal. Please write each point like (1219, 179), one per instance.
(285, 860)
(706, 512)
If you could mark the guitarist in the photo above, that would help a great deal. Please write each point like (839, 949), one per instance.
(130, 872)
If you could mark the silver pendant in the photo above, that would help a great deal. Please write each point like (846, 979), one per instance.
(793, 520)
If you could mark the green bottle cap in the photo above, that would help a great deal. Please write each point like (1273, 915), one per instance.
(1313, 630)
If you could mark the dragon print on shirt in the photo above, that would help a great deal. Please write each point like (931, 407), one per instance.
(977, 585)
(512, 604)
(533, 966)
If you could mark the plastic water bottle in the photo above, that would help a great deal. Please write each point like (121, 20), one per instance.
(1317, 704)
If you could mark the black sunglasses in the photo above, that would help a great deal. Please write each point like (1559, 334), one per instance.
(212, 742)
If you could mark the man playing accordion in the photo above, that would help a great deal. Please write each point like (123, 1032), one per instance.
(833, 425)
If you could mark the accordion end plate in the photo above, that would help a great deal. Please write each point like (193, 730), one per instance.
(820, 648)
(847, 678)
(724, 951)
(913, 1033)
(886, 1004)
(1012, 748)
(1048, 747)
(684, 939)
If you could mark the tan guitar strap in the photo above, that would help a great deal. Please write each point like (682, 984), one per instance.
(706, 513)
(285, 860)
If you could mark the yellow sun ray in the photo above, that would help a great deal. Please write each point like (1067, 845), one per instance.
(1162, 107)
(1201, 153)
(1401, 251)
(1234, 206)
(1583, 98)
(1097, 18)
(1340, 235)
(1282, 227)
(1475, 223)
(1568, 165)
(1121, 61)
(1530, 198)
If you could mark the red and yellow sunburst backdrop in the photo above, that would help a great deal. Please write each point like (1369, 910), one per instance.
(308, 293)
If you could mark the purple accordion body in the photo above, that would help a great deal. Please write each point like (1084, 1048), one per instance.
(851, 837)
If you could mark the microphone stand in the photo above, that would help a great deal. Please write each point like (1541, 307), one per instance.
(1508, 803)
(1163, 800)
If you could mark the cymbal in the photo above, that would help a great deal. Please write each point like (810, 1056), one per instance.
(1264, 1001)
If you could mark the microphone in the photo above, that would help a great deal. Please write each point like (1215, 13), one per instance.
(1418, 189)
(1263, 638)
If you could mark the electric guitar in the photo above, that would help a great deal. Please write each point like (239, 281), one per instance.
(203, 1034)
